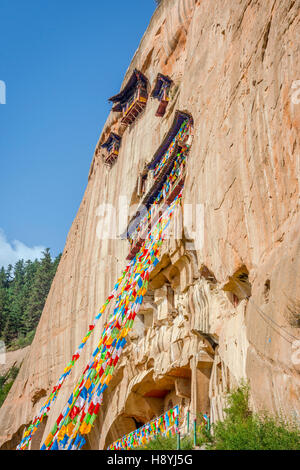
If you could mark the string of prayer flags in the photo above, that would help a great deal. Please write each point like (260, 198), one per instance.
(164, 424)
(44, 411)
(81, 410)
(181, 136)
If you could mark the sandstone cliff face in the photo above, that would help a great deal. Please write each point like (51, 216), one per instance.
(12, 358)
(234, 65)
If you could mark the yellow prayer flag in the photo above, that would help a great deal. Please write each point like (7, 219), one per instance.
(87, 429)
(125, 332)
(70, 428)
(48, 440)
(83, 428)
(88, 384)
(62, 433)
(108, 379)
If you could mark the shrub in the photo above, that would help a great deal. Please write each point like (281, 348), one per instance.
(241, 430)
(22, 341)
(244, 430)
(168, 443)
(6, 382)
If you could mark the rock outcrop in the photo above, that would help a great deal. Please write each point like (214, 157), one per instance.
(12, 359)
(218, 311)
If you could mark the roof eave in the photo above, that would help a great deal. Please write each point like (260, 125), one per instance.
(169, 137)
(131, 82)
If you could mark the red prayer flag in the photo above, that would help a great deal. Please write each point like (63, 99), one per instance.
(59, 419)
(96, 408)
(74, 412)
(116, 360)
(91, 407)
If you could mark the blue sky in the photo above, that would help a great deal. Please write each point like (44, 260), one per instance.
(60, 60)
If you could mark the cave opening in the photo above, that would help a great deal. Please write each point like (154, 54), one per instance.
(238, 287)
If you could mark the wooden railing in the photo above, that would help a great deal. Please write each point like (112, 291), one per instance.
(134, 106)
(156, 211)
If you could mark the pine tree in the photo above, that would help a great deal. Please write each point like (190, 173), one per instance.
(3, 298)
(40, 289)
(9, 275)
(29, 278)
(15, 302)
(23, 292)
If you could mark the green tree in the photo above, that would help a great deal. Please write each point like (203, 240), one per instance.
(3, 299)
(17, 298)
(39, 291)
(244, 430)
(31, 268)
(23, 292)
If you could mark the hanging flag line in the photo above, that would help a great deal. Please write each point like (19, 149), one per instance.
(29, 432)
(132, 282)
(166, 423)
(80, 412)
(44, 411)
(163, 425)
(46, 407)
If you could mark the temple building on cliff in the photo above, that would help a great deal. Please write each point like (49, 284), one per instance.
(131, 101)
(163, 181)
(161, 92)
(112, 146)
(212, 129)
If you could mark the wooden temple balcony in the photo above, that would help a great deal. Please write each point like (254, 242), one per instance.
(160, 189)
(133, 98)
(112, 156)
(156, 211)
(112, 146)
(162, 107)
(179, 119)
(161, 92)
(134, 107)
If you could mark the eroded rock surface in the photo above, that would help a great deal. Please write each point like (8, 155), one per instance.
(220, 312)
(12, 358)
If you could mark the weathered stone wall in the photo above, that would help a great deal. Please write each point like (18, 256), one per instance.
(11, 359)
(233, 66)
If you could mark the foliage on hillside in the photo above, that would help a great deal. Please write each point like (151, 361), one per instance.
(169, 443)
(244, 430)
(6, 382)
(23, 292)
(241, 430)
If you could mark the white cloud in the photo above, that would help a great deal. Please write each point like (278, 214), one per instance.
(11, 252)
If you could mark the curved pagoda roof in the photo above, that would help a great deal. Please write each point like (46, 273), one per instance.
(179, 118)
(111, 138)
(128, 89)
(149, 198)
(160, 81)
